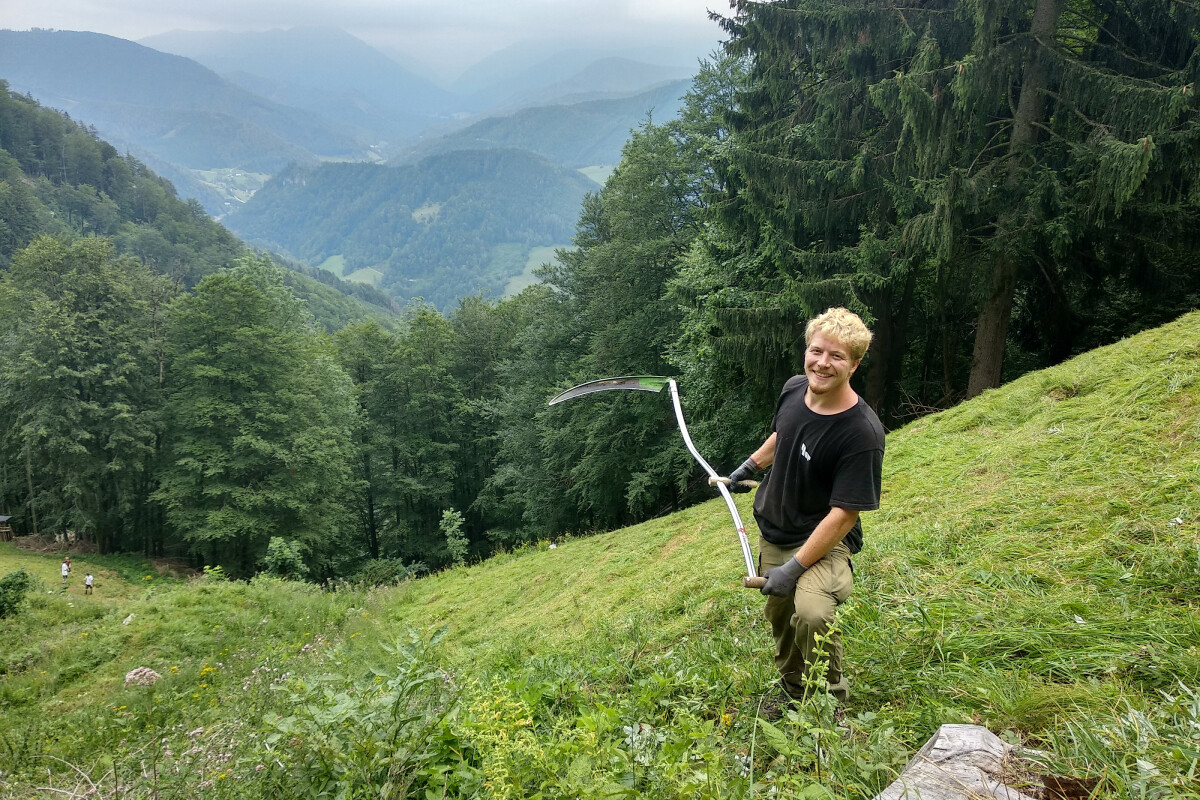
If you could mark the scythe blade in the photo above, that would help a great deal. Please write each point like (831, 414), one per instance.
(638, 383)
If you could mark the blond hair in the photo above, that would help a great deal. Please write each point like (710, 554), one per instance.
(841, 325)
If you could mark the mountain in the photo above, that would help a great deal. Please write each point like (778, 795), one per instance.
(58, 179)
(445, 227)
(575, 135)
(610, 78)
(530, 67)
(574, 77)
(145, 101)
(327, 72)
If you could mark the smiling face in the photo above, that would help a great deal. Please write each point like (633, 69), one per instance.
(828, 366)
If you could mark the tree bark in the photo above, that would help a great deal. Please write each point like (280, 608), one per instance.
(29, 483)
(992, 331)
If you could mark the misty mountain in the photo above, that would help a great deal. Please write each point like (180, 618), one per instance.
(556, 82)
(327, 72)
(574, 135)
(552, 70)
(448, 226)
(167, 104)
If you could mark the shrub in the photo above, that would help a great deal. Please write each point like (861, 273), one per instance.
(456, 539)
(385, 572)
(285, 559)
(13, 588)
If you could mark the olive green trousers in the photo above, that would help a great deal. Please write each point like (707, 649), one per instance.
(797, 621)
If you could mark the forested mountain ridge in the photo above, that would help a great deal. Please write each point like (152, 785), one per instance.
(573, 134)
(139, 95)
(166, 108)
(59, 178)
(438, 229)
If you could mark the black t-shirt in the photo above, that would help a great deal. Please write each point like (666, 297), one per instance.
(821, 461)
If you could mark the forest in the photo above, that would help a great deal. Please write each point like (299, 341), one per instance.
(994, 187)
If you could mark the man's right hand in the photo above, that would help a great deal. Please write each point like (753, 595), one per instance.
(745, 472)
(735, 488)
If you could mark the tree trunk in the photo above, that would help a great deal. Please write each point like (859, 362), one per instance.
(29, 483)
(991, 332)
(372, 525)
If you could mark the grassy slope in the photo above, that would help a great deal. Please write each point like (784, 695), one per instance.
(1035, 567)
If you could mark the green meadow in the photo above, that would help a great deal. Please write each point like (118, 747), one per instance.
(1034, 568)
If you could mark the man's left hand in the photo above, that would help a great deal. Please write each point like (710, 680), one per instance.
(781, 580)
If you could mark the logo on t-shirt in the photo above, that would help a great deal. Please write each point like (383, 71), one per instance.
(804, 452)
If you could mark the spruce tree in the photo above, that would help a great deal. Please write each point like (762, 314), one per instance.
(942, 167)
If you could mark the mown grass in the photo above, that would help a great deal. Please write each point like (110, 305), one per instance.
(1035, 568)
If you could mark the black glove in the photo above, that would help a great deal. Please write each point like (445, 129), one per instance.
(743, 473)
(781, 580)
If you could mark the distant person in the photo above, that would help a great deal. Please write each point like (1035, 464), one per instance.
(826, 455)
(66, 569)
(87, 583)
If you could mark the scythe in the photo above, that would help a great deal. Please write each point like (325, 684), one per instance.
(654, 383)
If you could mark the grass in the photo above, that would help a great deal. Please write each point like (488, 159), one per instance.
(1034, 568)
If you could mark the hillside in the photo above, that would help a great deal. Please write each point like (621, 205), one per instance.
(579, 134)
(58, 178)
(451, 225)
(1033, 569)
(166, 106)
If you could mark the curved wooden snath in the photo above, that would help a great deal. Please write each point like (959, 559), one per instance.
(655, 383)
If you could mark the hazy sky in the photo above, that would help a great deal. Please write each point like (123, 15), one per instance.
(445, 34)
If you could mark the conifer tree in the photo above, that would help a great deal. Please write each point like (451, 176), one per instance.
(936, 165)
(79, 399)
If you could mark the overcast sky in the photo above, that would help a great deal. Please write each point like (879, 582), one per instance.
(448, 35)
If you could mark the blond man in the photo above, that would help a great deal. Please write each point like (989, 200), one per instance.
(826, 456)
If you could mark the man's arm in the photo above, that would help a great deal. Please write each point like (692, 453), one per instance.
(764, 456)
(826, 535)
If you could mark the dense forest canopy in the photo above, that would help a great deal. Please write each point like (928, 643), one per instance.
(994, 186)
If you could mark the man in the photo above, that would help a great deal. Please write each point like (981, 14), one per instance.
(88, 582)
(826, 454)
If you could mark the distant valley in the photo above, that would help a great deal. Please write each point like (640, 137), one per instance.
(451, 225)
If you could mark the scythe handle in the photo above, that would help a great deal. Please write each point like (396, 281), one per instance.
(756, 582)
(751, 574)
